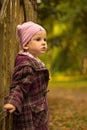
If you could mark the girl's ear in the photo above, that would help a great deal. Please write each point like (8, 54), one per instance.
(25, 47)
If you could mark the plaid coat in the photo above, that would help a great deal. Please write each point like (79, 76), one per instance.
(29, 94)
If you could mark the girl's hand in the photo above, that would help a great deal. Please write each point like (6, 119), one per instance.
(11, 108)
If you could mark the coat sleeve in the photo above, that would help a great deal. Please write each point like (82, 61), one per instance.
(21, 82)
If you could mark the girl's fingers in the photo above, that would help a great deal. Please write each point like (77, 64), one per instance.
(10, 107)
(12, 110)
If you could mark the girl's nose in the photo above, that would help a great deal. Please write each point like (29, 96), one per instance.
(44, 43)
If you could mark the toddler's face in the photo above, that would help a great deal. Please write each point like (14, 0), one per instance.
(38, 44)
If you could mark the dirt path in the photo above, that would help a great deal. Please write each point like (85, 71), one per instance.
(68, 108)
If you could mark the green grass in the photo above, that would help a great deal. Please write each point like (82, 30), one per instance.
(71, 83)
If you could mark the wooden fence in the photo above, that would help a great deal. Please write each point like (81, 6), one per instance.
(12, 12)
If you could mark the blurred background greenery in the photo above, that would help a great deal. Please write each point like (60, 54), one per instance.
(66, 25)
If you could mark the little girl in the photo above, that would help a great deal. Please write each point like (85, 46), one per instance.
(27, 99)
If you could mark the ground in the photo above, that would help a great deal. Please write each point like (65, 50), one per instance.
(68, 108)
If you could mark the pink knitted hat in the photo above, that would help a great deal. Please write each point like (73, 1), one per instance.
(26, 31)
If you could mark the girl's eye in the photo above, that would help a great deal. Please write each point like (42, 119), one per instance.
(38, 39)
(45, 39)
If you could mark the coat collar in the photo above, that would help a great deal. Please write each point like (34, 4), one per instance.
(26, 59)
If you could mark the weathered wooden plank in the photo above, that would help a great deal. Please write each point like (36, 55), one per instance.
(29, 10)
(7, 57)
(1, 72)
(3, 9)
(1, 66)
(7, 49)
(3, 114)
